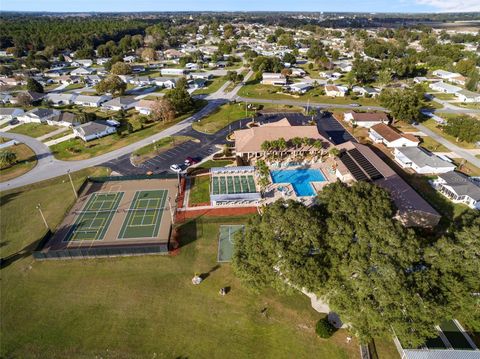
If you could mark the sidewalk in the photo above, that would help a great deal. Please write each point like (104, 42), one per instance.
(61, 139)
(53, 133)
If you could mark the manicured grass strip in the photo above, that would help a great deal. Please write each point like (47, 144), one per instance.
(34, 129)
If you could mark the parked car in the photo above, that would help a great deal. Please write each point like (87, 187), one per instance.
(176, 168)
(190, 161)
(355, 104)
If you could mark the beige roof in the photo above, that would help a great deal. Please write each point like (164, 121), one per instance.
(390, 134)
(145, 103)
(412, 208)
(251, 139)
(369, 116)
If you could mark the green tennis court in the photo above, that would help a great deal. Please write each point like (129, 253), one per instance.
(144, 215)
(233, 184)
(226, 240)
(95, 218)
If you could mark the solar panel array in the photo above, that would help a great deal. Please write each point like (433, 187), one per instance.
(371, 171)
(360, 168)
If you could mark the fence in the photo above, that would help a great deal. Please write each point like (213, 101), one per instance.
(133, 177)
(96, 252)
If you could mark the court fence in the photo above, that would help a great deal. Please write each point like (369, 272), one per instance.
(98, 252)
(133, 177)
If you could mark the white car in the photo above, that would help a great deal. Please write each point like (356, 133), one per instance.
(176, 168)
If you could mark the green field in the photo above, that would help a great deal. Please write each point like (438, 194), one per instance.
(432, 145)
(26, 160)
(221, 117)
(34, 129)
(432, 125)
(142, 307)
(199, 190)
(211, 86)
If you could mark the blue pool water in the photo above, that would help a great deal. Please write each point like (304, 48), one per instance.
(300, 180)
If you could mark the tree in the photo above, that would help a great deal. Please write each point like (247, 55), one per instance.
(364, 71)
(121, 68)
(23, 99)
(34, 85)
(324, 328)
(384, 77)
(286, 73)
(289, 58)
(277, 248)
(180, 98)
(149, 54)
(7, 158)
(162, 110)
(464, 128)
(404, 104)
(473, 81)
(112, 84)
(465, 66)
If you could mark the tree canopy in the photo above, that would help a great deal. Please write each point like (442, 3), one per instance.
(404, 104)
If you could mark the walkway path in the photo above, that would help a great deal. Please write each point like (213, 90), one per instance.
(53, 133)
(61, 139)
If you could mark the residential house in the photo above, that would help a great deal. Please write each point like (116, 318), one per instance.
(82, 63)
(444, 87)
(119, 103)
(93, 130)
(450, 76)
(103, 60)
(67, 79)
(366, 91)
(390, 137)
(366, 119)
(129, 59)
(90, 101)
(298, 72)
(335, 91)
(299, 87)
(92, 79)
(138, 68)
(192, 66)
(420, 79)
(144, 107)
(141, 81)
(65, 119)
(12, 81)
(172, 54)
(421, 161)
(459, 188)
(5, 98)
(468, 96)
(201, 75)
(38, 115)
(81, 71)
(270, 78)
(31, 95)
(60, 99)
(173, 72)
(10, 113)
(166, 82)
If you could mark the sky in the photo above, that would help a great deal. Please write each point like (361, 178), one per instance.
(242, 5)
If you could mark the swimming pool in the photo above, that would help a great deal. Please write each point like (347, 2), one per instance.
(300, 180)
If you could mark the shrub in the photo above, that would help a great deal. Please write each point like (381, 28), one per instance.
(324, 329)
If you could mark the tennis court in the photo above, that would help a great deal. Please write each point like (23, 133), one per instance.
(233, 184)
(95, 218)
(226, 240)
(144, 215)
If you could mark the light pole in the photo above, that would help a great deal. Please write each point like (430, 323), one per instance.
(43, 217)
(71, 182)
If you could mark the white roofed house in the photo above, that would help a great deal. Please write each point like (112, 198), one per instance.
(201, 75)
(298, 72)
(119, 103)
(173, 72)
(366, 119)
(60, 99)
(366, 91)
(93, 130)
(141, 81)
(459, 188)
(166, 82)
(144, 107)
(92, 79)
(38, 115)
(90, 101)
(468, 96)
(82, 71)
(421, 161)
(445, 88)
(129, 59)
(335, 91)
(270, 78)
(300, 87)
(382, 133)
(65, 119)
(82, 63)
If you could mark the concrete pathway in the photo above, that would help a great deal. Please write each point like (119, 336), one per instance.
(59, 140)
(9, 127)
(53, 133)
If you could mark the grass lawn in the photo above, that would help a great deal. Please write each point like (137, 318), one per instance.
(26, 160)
(432, 125)
(256, 90)
(76, 149)
(385, 349)
(271, 107)
(21, 223)
(199, 190)
(467, 167)
(60, 135)
(432, 145)
(444, 96)
(144, 307)
(221, 117)
(215, 163)
(74, 87)
(34, 129)
(404, 127)
(472, 106)
(145, 153)
(211, 86)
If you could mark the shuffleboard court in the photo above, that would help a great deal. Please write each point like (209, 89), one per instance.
(95, 217)
(226, 240)
(144, 215)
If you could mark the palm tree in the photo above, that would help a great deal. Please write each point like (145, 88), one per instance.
(7, 158)
(297, 142)
(334, 152)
